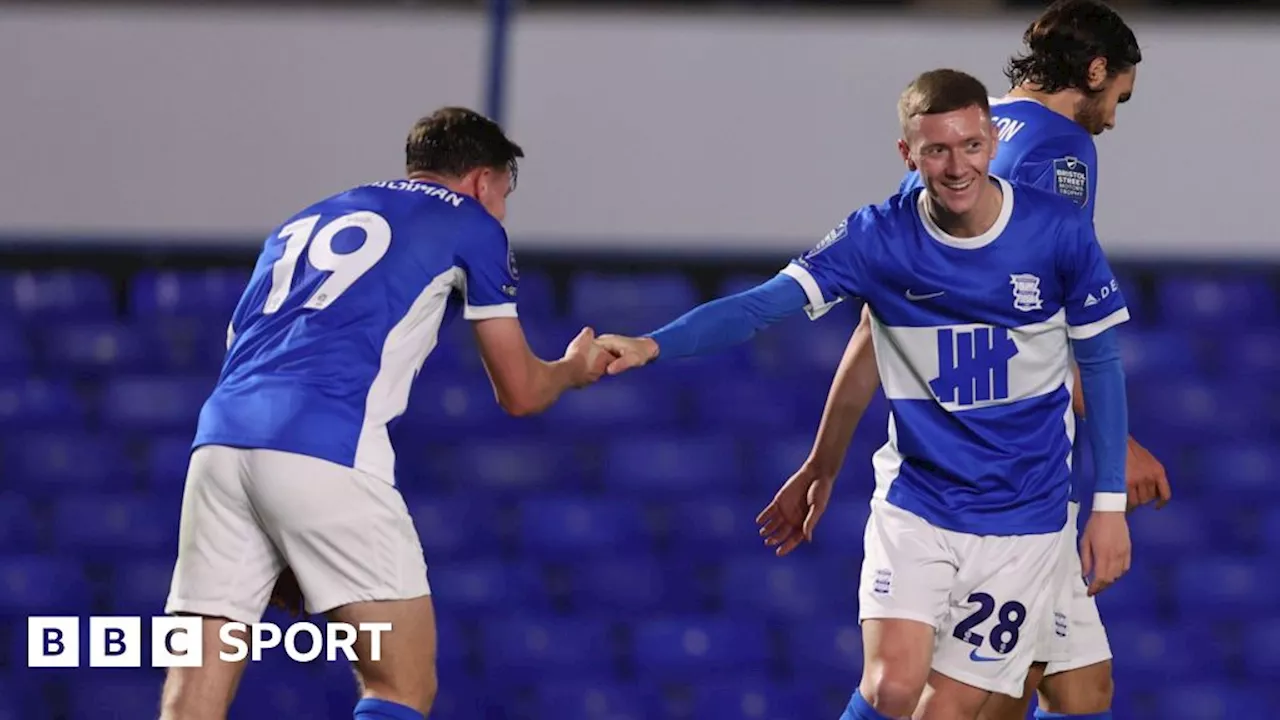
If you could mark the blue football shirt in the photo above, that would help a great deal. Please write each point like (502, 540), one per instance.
(972, 339)
(344, 306)
(1043, 149)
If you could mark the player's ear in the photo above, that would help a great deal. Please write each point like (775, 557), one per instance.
(905, 151)
(1097, 73)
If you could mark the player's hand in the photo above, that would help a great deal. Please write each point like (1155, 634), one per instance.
(629, 352)
(1105, 551)
(795, 511)
(287, 595)
(588, 358)
(1145, 478)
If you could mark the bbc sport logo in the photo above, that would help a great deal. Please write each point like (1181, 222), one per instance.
(54, 642)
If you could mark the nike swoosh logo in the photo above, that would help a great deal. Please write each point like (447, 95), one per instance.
(913, 297)
(974, 656)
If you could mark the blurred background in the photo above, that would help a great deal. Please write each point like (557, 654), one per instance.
(600, 562)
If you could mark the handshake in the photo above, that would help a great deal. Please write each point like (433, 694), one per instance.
(589, 357)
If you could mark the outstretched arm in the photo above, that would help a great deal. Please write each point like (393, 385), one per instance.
(711, 327)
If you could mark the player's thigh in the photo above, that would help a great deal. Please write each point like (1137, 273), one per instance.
(227, 564)
(896, 658)
(907, 576)
(1078, 691)
(1003, 707)
(403, 669)
(346, 535)
(1005, 594)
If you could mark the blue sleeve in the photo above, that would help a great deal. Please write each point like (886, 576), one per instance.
(721, 324)
(835, 268)
(1093, 300)
(1102, 382)
(489, 269)
(1066, 165)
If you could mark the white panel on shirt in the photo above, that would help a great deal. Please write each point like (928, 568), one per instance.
(908, 360)
(403, 353)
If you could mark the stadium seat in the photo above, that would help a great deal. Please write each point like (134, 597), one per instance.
(1217, 301)
(635, 402)
(155, 403)
(15, 350)
(1244, 470)
(1213, 701)
(756, 701)
(550, 526)
(1261, 647)
(55, 294)
(684, 648)
(1158, 353)
(547, 649)
(636, 584)
(1176, 527)
(186, 345)
(107, 525)
(793, 586)
(165, 463)
(21, 529)
(49, 464)
(140, 586)
(672, 466)
(43, 585)
(516, 466)
(631, 303)
(826, 649)
(715, 525)
(585, 701)
(448, 407)
(80, 348)
(38, 404)
(767, 405)
(1158, 656)
(486, 585)
(1224, 586)
(455, 527)
(209, 293)
(115, 693)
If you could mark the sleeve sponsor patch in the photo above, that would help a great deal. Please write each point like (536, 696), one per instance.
(1071, 179)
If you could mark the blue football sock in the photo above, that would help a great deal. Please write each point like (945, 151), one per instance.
(375, 709)
(1042, 715)
(860, 709)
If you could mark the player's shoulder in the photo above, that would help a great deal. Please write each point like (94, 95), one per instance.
(891, 214)
(1040, 204)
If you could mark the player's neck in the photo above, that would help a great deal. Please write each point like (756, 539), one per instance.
(1062, 102)
(977, 221)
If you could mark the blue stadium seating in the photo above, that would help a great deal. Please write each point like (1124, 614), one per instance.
(601, 562)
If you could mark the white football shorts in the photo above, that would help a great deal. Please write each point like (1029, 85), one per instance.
(247, 514)
(1080, 639)
(990, 598)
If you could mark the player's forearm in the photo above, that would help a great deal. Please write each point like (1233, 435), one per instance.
(547, 382)
(854, 385)
(729, 321)
(1102, 383)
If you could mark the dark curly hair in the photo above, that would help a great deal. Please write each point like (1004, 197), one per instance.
(1065, 39)
(453, 141)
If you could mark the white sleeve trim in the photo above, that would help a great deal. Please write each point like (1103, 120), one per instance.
(1110, 502)
(818, 306)
(488, 312)
(1084, 332)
